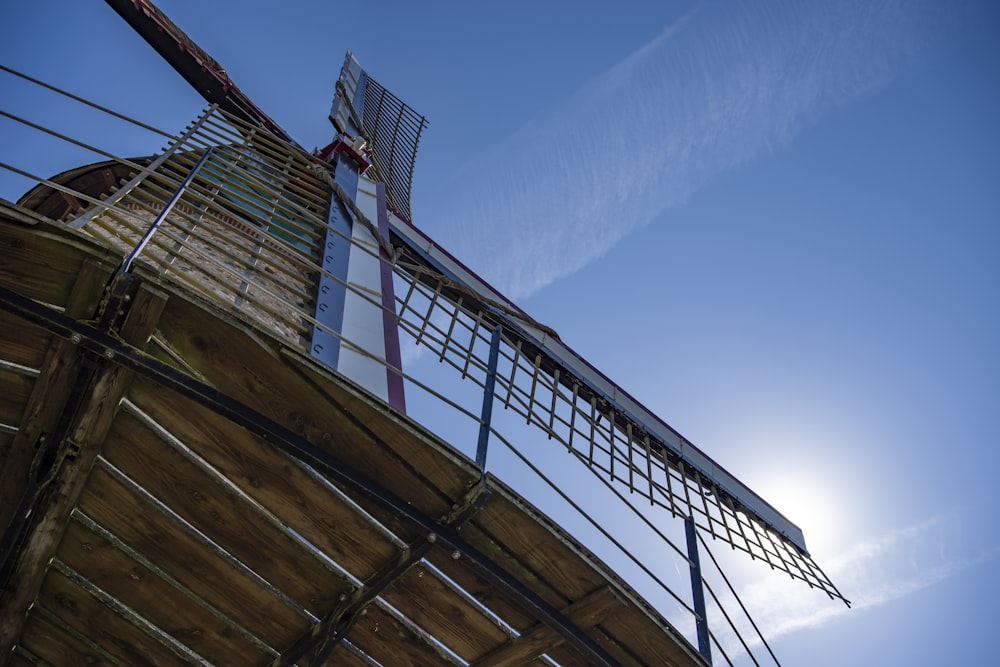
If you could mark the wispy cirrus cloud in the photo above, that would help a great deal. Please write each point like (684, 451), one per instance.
(726, 84)
(871, 573)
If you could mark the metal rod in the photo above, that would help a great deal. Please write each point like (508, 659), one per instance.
(487, 413)
(127, 264)
(697, 591)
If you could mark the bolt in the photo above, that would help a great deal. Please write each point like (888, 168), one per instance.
(110, 354)
(432, 538)
(75, 338)
(456, 554)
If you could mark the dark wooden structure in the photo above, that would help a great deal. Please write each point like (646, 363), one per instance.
(179, 487)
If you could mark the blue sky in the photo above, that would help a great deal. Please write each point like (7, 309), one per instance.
(776, 224)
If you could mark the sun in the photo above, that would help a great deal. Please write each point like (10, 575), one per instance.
(810, 499)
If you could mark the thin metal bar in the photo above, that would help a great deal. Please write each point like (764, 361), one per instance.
(469, 352)
(732, 590)
(697, 592)
(649, 467)
(534, 385)
(86, 102)
(175, 146)
(451, 327)
(611, 443)
(487, 413)
(552, 406)
(572, 416)
(513, 373)
(126, 266)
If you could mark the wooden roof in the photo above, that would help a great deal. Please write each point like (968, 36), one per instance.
(179, 487)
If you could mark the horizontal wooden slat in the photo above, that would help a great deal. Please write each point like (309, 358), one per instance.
(436, 607)
(239, 365)
(23, 343)
(390, 642)
(88, 616)
(584, 614)
(15, 388)
(143, 528)
(43, 262)
(273, 480)
(223, 516)
(42, 639)
(161, 603)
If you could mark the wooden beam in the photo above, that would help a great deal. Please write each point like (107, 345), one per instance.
(49, 395)
(584, 613)
(82, 444)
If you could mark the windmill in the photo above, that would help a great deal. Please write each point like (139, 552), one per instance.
(343, 212)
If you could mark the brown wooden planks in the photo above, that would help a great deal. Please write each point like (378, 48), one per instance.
(388, 641)
(540, 554)
(252, 373)
(223, 516)
(90, 617)
(648, 640)
(42, 639)
(15, 388)
(146, 530)
(43, 262)
(584, 613)
(435, 606)
(142, 589)
(272, 479)
(22, 342)
(505, 607)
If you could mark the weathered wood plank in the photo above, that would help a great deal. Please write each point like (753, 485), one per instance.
(22, 342)
(241, 366)
(500, 604)
(93, 619)
(272, 479)
(15, 388)
(650, 641)
(432, 457)
(341, 656)
(390, 642)
(223, 516)
(43, 639)
(542, 557)
(43, 262)
(143, 528)
(155, 599)
(584, 613)
(435, 606)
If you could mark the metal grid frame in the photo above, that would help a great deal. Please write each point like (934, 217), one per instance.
(457, 327)
(394, 131)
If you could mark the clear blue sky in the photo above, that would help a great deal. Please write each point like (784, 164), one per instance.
(777, 224)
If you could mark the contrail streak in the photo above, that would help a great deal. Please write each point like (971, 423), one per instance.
(728, 83)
